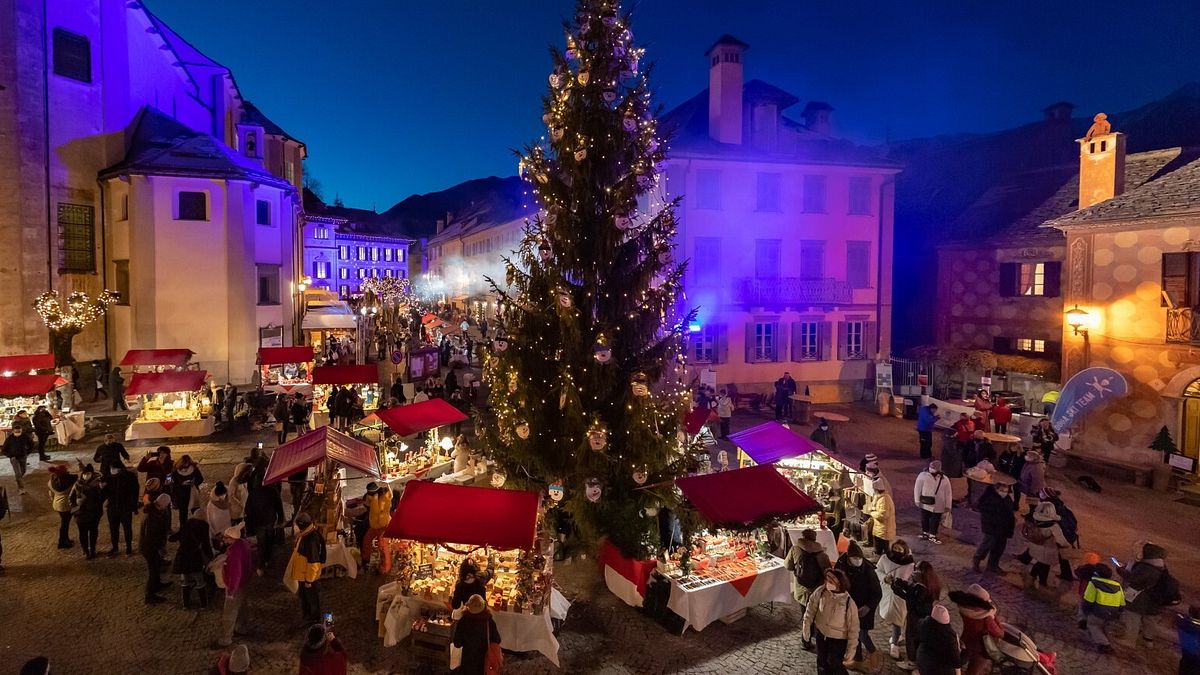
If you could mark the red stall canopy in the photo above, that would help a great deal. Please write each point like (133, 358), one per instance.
(771, 441)
(28, 385)
(473, 516)
(314, 447)
(157, 357)
(271, 356)
(166, 382)
(23, 363)
(735, 499)
(694, 421)
(407, 420)
(366, 374)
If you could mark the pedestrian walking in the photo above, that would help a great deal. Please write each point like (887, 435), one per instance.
(397, 390)
(305, 567)
(808, 562)
(152, 541)
(882, 510)
(98, 377)
(379, 515)
(896, 565)
(59, 487)
(472, 638)
(919, 594)
(1044, 537)
(1149, 587)
(865, 591)
(1044, 438)
(16, 448)
(1103, 601)
(111, 450)
(282, 416)
(322, 654)
(823, 434)
(724, 411)
(927, 417)
(939, 651)
(931, 494)
(43, 429)
(1033, 477)
(236, 572)
(1068, 523)
(116, 384)
(978, 615)
(120, 491)
(87, 505)
(997, 522)
(192, 558)
(831, 618)
(1001, 415)
(186, 479)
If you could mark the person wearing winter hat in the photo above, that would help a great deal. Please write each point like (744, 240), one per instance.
(938, 651)
(997, 522)
(379, 514)
(216, 512)
(474, 633)
(869, 458)
(1144, 581)
(919, 594)
(322, 653)
(233, 662)
(89, 507)
(896, 565)
(1033, 477)
(807, 561)
(38, 665)
(1044, 538)
(236, 572)
(1084, 573)
(932, 495)
(882, 510)
(59, 487)
(831, 617)
(1102, 602)
(979, 619)
(119, 489)
(152, 541)
(866, 593)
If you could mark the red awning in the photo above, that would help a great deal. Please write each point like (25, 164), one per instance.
(314, 447)
(472, 516)
(166, 382)
(735, 499)
(771, 441)
(694, 421)
(28, 385)
(23, 363)
(407, 420)
(157, 357)
(270, 356)
(430, 317)
(366, 374)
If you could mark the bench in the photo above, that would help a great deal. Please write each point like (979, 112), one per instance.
(1141, 473)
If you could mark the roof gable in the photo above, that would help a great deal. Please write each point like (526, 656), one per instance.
(1170, 187)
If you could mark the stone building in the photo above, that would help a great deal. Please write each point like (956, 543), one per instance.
(343, 247)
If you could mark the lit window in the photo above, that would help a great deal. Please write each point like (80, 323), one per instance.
(343, 272)
(321, 269)
(400, 254)
(344, 291)
(76, 238)
(852, 341)
(362, 252)
(343, 252)
(389, 273)
(1033, 279)
(1031, 345)
(387, 255)
(764, 342)
(375, 253)
(362, 273)
(321, 233)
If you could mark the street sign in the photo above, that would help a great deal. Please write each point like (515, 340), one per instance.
(883, 376)
(922, 380)
(397, 357)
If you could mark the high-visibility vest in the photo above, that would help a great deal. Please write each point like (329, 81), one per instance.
(1104, 593)
(1050, 397)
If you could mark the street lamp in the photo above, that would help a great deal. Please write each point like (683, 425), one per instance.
(1077, 319)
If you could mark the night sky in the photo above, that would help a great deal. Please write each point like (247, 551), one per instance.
(397, 97)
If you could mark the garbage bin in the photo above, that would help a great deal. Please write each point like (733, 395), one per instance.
(911, 405)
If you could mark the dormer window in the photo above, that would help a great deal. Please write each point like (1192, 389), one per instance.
(251, 144)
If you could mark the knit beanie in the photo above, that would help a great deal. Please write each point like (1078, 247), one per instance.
(854, 550)
(935, 466)
(163, 501)
(871, 457)
(239, 660)
(940, 614)
(1152, 551)
(979, 592)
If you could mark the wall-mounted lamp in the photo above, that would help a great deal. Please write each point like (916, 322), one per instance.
(1077, 319)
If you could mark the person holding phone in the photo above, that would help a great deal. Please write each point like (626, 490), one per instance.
(322, 653)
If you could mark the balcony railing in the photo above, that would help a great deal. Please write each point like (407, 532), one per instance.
(1183, 325)
(794, 291)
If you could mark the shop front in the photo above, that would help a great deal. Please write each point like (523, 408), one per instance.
(364, 380)
(171, 404)
(27, 392)
(410, 443)
(286, 370)
(157, 360)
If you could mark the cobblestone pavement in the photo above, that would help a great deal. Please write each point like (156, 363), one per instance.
(88, 617)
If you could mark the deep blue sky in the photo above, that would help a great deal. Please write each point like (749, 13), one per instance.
(397, 96)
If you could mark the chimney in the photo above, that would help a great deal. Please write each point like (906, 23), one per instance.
(725, 89)
(1059, 112)
(816, 117)
(441, 225)
(1101, 163)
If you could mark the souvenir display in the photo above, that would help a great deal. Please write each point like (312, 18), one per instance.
(521, 581)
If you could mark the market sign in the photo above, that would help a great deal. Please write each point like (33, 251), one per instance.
(1086, 391)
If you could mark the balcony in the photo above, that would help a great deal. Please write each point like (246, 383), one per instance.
(1183, 325)
(793, 291)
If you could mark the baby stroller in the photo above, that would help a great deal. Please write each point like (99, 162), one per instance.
(1017, 654)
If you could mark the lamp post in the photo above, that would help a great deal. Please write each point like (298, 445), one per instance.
(1079, 320)
(298, 309)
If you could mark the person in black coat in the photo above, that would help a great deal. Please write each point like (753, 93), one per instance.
(108, 452)
(192, 558)
(185, 478)
(865, 592)
(299, 413)
(939, 652)
(470, 582)
(997, 521)
(474, 634)
(119, 489)
(264, 515)
(152, 541)
(87, 503)
(43, 428)
(919, 593)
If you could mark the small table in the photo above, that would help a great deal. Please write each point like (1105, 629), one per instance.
(702, 606)
(830, 416)
(800, 411)
(1001, 438)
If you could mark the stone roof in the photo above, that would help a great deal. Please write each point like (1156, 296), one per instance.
(251, 114)
(160, 145)
(1170, 187)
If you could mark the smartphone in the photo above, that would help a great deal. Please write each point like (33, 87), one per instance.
(260, 445)
(1114, 560)
(329, 619)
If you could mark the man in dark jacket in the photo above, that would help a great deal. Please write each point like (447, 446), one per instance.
(192, 558)
(151, 543)
(119, 487)
(109, 452)
(1143, 602)
(299, 414)
(16, 448)
(43, 428)
(997, 520)
(264, 515)
(1044, 438)
(978, 450)
(397, 391)
(866, 594)
(281, 414)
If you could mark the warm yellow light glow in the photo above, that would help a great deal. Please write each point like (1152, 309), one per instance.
(1079, 320)
(446, 443)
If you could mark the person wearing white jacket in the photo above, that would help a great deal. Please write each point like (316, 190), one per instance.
(832, 618)
(932, 494)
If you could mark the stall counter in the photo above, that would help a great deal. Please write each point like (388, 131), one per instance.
(170, 428)
(705, 604)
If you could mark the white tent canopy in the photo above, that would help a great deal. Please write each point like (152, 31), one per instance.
(324, 316)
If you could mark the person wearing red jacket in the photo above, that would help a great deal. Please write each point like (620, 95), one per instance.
(964, 428)
(979, 619)
(1001, 415)
(322, 654)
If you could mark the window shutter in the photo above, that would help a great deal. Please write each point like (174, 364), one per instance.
(1001, 345)
(1175, 268)
(826, 340)
(750, 342)
(1052, 281)
(780, 342)
(841, 338)
(1009, 275)
(870, 328)
(796, 341)
(1053, 350)
(722, 339)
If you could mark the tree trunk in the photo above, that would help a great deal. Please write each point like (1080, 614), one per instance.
(60, 346)
(962, 392)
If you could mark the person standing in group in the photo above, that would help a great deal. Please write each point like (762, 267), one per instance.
(931, 494)
(807, 562)
(963, 429)
(111, 450)
(1044, 438)
(724, 411)
(1001, 415)
(927, 417)
(120, 491)
(983, 410)
(151, 544)
(1149, 587)
(397, 390)
(882, 509)
(264, 515)
(322, 654)
(831, 617)
(186, 480)
(1102, 602)
(157, 464)
(237, 572)
(116, 384)
(299, 414)
(88, 506)
(473, 635)
(305, 566)
(16, 448)
(59, 486)
(1044, 537)
(865, 591)
(216, 512)
(823, 434)
(43, 429)
(780, 399)
(282, 416)
(997, 522)
(919, 594)
(896, 565)
(979, 620)
(297, 486)
(379, 515)
(939, 651)
(1033, 476)
(192, 558)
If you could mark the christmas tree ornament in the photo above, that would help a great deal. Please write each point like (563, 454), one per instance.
(556, 491)
(597, 436)
(513, 382)
(610, 95)
(639, 384)
(664, 254)
(498, 479)
(629, 122)
(571, 54)
(723, 460)
(556, 134)
(640, 476)
(601, 351)
(580, 154)
(564, 297)
(623, 222)
(500, 343)
(522, 430)
(592, 489)
(583, 77)
(547, 119)
(562, 400)
(544, 251)
(558, 354)
(556, 80)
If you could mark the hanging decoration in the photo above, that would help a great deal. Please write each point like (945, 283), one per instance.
(593, 488)
(522, 430)
(597, 436)
(556, 491)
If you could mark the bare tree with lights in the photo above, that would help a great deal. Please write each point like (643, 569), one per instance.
(66, 321)
(586, 386)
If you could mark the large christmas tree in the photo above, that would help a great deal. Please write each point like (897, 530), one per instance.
(586, 387)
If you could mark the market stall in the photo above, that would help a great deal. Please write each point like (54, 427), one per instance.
(27, 392)
(332, 452)
(405, 456)
(32, 364)
(156, 360)
(171, 405)
(328, 321)
(286, 370)
(439, 525)
(727, 574)
(363, 379)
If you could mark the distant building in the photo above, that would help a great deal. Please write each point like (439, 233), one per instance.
(465, 251)
(340, 253)
(130, 160)
(788, 234)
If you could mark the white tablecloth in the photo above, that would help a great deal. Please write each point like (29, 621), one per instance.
(170, 429)
(338, 555)
(69, 427)
(824, 537)
(304, 388)
(703, 606)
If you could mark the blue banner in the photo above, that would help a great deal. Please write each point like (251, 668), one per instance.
(1089, 389)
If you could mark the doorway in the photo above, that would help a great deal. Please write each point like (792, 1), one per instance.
(1190, 422)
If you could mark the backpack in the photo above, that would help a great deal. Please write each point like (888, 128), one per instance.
(1034, 534)
(3, 503)
(809, 573)
(1165, 591)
